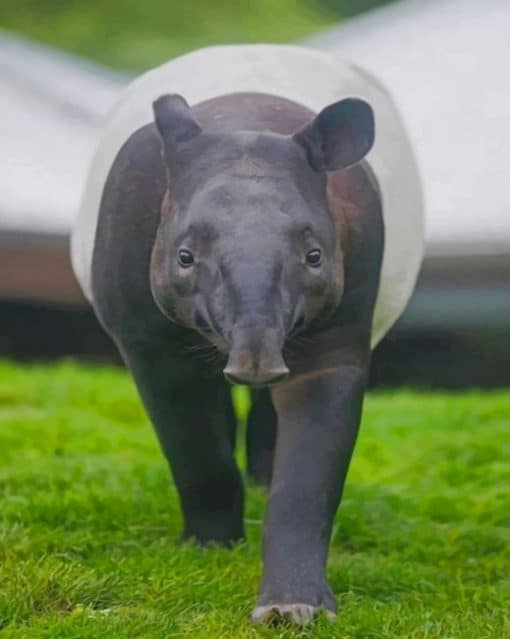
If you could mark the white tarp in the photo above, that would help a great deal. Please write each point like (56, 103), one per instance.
(51, 107)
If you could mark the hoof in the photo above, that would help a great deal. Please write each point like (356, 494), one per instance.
(289, 614)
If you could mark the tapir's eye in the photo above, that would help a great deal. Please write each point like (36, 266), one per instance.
(314, 257)
(185, 258)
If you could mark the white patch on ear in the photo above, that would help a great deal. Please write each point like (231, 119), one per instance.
(311, 78)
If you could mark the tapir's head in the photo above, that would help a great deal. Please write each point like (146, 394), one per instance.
(246, 252)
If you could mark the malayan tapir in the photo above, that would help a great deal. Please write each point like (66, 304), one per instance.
(253, 215)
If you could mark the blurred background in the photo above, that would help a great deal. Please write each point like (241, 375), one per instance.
(63, 63)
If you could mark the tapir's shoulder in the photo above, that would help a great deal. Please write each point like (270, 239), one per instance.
(127, 222)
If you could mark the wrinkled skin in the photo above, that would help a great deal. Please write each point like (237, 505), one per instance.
(248, 187)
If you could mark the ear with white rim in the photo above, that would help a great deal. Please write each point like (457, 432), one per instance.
(340, 135)
(175, 123)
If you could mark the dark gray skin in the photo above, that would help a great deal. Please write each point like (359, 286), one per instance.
(248, 185)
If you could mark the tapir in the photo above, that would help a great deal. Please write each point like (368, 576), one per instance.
(253, 215)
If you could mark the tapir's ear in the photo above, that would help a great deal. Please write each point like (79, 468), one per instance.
(341, 135)
(175, 122)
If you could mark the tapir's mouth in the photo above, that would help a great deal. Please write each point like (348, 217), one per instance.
(253, 353)
(256, 370)
(267, 380)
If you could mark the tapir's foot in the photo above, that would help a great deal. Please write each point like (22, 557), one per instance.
(299, 608)
(214, 512)
(215, 531)
(217, 537)
(289, 614)
(208, 541)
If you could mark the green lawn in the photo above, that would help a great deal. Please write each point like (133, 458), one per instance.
(90, 520)
(137, 35)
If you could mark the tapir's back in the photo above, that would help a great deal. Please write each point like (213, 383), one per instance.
(306, 77)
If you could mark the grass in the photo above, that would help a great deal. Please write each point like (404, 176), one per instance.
(137, 35)
(89, 521)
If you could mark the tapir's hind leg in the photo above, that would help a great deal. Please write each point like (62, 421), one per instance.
(261, 437)
(189, 417)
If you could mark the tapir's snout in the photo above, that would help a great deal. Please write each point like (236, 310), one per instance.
(255, 357)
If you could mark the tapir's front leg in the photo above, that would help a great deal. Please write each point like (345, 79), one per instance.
(318, 419)
(188, 413)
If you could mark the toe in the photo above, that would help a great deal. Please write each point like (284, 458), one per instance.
(289, 614)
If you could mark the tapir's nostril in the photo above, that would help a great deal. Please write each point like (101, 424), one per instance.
(264, 379)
